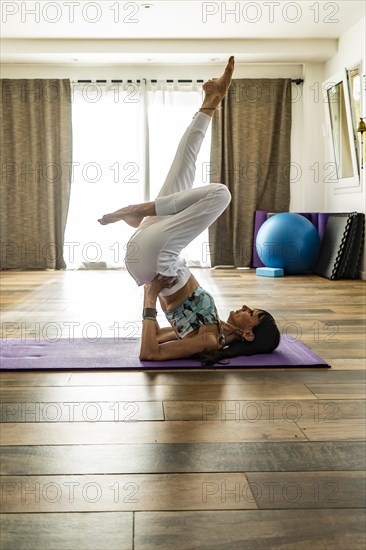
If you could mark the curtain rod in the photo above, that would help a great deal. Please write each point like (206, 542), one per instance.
(295, 80)
(128, 81)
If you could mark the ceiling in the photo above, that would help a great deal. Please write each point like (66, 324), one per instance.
(106, 31)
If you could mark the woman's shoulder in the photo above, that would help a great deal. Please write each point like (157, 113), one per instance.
(208, 334)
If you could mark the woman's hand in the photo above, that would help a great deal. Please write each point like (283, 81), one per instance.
(153, 289)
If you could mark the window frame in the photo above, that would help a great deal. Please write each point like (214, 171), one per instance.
(351, 183)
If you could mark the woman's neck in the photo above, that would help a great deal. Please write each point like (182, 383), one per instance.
(229, 332)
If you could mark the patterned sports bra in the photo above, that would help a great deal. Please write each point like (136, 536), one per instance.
(197, 310)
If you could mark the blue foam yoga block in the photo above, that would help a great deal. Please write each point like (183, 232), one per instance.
(269, 271)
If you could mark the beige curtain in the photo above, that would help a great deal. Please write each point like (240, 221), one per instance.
(250, 153)
(36, 152)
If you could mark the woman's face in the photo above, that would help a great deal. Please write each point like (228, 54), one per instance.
(244, 318)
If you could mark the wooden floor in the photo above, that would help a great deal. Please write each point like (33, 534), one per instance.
(218, 459)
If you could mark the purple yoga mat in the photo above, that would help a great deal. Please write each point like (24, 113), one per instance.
(107, 353)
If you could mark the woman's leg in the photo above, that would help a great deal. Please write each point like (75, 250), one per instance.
(183, 169)
(180, 176)
(155, 248)
(182, 172)
(194, 211)
(179, 213)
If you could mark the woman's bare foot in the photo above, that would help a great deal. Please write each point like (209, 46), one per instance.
(124, 214)
(133, 215)
(215, 90)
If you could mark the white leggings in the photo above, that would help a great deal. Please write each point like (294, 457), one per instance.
(182, 214)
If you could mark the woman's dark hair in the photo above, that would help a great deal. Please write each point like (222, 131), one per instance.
(266, 340)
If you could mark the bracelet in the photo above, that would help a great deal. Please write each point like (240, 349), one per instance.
(149, 312)
(145, 318)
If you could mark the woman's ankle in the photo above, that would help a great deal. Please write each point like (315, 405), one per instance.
(144, 209)
(208, 110)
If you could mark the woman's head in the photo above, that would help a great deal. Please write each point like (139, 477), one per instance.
(256, 328)
(244, 320)
(256, 332)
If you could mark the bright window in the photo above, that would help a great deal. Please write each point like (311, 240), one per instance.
(124, 139)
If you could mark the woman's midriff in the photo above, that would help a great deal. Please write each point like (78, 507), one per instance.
(168, 303)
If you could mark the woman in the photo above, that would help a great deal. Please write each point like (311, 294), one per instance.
(167, 225)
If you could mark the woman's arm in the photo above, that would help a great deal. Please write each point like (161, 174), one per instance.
(152, 349)
(166, 334)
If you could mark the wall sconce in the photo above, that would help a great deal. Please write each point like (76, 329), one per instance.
(361, 129)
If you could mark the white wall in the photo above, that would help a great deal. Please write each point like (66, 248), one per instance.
(351, 49)
(310, 142)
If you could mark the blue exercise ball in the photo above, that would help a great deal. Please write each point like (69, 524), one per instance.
(289, 241)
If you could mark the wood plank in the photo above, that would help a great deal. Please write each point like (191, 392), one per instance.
(245, 530)
(338, 391)
(54, 394)
(347, 430)
(348, 363)
(122, 493)
(286, 375)
(30, 378)
(146, 432)
(63, 531)
(248, 391)
(188, 377)
(308, 489)
(316, 410)
(340, 352)
(89, 412)
(183, 457)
